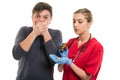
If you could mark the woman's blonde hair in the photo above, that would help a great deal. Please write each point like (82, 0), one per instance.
(87, 13)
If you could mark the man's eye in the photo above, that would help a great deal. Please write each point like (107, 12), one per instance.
(37, 16)
(45, 17)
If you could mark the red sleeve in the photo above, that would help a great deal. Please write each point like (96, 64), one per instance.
(95, 60)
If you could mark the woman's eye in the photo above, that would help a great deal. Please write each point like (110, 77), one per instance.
(73, 21)
(80, 22)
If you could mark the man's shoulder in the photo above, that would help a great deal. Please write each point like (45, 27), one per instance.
(26, 29)
(54, 30)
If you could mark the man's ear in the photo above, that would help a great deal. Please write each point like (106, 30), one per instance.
(50, 21)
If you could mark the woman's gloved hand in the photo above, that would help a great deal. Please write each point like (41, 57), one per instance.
(60, 60)
(64, 53)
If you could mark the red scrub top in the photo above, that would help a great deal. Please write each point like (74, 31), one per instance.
(89, 59)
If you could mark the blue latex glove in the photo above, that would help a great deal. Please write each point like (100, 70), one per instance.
(60, 60)
(64, 53)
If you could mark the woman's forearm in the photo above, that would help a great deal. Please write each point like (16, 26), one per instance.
(80, 72)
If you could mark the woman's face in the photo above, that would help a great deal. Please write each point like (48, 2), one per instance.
(80, 24)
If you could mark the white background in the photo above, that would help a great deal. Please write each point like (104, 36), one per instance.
(17, 13)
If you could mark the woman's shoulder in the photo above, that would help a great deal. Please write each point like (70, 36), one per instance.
(71, 41)
(96, 42)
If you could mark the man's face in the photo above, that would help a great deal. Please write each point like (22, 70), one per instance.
(43, 16)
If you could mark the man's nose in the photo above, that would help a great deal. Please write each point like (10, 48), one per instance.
(41, 19)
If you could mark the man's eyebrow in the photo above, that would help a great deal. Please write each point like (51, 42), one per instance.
(46, 15)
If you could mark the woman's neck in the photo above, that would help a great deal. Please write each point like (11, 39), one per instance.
(83, 38)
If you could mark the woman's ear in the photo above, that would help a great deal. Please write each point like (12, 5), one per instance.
(89, 24)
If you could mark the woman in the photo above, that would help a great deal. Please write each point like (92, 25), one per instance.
(85, 52)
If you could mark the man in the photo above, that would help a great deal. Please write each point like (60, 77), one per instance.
(34, 44)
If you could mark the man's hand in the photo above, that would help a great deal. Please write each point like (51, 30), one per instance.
(39, 28)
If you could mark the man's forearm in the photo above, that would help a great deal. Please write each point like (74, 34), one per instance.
(27, 42)
(46, 36)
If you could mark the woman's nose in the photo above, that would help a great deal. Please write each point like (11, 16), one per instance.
(75, 24)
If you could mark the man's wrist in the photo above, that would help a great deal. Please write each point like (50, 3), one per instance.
(46, 36)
